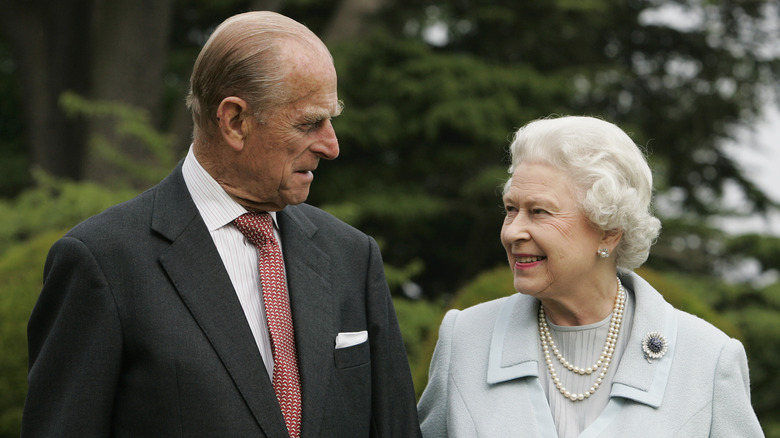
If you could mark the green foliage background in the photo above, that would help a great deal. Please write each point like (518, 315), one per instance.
(31, 223)
(20, 267)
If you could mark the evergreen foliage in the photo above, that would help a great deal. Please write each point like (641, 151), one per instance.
(130, 122)
(53, 204)
(30, 224)
(423, 151)
(21, 270)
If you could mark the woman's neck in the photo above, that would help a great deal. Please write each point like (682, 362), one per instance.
(586, 306)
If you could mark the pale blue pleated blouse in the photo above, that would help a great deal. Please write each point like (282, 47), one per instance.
(582, 346)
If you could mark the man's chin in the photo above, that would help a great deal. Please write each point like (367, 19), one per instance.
(295, 197)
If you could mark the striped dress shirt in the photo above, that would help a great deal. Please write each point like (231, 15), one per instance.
(239, 256)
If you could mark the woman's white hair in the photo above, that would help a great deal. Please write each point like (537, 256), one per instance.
(608, 170)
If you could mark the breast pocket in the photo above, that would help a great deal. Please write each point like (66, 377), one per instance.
(353, 356)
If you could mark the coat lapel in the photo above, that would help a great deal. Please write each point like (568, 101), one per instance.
(636, 378)
(312, 301)
(197, 272)
(512, 348)
(514, 354)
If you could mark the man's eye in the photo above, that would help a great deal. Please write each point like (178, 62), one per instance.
(312, 126)
(538, 211)
(309, 126)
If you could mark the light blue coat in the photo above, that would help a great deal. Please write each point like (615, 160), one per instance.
(484, 381)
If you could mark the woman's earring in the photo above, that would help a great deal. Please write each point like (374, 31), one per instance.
(603, 253)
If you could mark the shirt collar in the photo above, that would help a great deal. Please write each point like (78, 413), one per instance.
(214, 204)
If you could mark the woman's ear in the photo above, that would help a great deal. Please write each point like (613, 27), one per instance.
(233, 121)
(610, 239)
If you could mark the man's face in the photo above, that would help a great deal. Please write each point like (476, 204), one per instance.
(280, 153)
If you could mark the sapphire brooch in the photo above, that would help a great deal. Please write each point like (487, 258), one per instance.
(654, 345)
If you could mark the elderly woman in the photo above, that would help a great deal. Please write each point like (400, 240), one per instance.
(587, 348)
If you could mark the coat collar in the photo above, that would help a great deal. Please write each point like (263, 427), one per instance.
(514, 352)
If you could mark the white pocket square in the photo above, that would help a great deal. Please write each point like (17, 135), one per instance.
(349, 339)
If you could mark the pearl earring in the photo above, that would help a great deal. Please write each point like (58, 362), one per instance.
(603, 253)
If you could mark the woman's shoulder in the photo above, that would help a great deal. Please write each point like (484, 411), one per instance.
(690, 325)
(481, 318)
(489, 310)
(694, 338)
(652, 301)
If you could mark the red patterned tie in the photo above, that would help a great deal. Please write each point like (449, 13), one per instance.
(258, 229)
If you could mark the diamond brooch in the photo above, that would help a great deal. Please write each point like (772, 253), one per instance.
(654, 345)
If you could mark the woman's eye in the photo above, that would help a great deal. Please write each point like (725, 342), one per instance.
(538, 211)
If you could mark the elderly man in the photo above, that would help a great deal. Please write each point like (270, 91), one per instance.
(217, 303)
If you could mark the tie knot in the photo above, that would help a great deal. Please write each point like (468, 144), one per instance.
(257, 227)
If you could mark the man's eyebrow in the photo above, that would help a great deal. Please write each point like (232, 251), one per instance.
(322, 114)
(339, 109)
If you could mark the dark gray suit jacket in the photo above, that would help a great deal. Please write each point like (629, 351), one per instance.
(139, 333)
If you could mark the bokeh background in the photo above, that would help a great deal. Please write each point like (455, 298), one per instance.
(92, 112)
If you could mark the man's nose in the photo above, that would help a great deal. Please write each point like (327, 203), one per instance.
(327, 146)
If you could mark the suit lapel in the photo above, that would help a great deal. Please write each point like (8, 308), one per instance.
(311, 299)
(197, 272)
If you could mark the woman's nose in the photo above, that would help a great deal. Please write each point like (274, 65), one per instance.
(516, 229)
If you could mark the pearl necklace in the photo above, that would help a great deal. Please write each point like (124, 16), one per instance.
(603, 360)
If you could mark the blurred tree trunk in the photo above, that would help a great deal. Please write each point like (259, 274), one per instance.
(110, 50)
(350, 19)
(130, 52)
(50, 42)
(102, 49)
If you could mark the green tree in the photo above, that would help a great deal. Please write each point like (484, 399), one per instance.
(427, 120)
(423, 140)
(115, 50)
(678, 74)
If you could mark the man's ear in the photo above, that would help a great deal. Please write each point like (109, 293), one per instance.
(233, 121)
(610, 239)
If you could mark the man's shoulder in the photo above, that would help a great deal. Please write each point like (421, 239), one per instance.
(136, 213)
(314, 213)
(123, 216)
(308, 214)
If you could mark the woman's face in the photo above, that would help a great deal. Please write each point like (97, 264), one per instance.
(550, 244)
